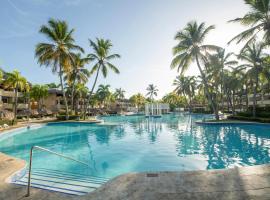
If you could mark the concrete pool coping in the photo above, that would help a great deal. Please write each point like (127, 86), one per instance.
(231, 122)
(236, 183)
(24, 125)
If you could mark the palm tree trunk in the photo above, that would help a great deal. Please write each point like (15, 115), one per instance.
(91, 92)
(39, 104)
(76, 106)
(206, 90)
(254, 101)
(246, 93)
(15, 105)
(255, 94)
(229, 102)
(233, 103)
(72, 94)
(72, 97)
(29, 106)
(222, 90)
(63, 91)
(190, 109)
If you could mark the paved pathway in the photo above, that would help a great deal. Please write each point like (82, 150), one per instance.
(236, 184)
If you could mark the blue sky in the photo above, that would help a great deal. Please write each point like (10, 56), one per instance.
(142, 32)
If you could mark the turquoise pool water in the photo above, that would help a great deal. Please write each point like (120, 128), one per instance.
(134, 144)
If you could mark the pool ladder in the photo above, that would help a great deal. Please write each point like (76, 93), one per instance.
(48, 151)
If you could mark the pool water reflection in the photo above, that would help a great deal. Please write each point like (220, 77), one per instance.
(135, 143)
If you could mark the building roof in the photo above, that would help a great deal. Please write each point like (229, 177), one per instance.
(55, 91)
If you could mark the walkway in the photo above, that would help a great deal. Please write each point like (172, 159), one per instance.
(239, 183)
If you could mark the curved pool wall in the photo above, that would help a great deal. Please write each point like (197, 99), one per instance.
(134, 144)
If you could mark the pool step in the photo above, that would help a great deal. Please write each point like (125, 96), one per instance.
(64, 182)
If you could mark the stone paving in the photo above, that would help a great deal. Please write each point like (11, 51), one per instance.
(244, 183)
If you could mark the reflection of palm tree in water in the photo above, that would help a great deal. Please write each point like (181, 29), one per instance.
(149, 125)
(189, 126)
(230, 146)
(120, 131)
(153, 127)
(137, 124)
(92, 159)
(105, 166)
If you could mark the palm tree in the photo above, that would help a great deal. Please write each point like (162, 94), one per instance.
(58, 52)
(81, 93)
(103, 93)
(53, 85)
(189, 48)
(120, 93)
(258, 19)
(186, 86)
(1, 75)
(216, 64)
(253, 57)
(77, 74)
(232, 87)
(16, 81)
(138, 100)
(38, 93)
(174, 100)
(102, 57)
(152, 91)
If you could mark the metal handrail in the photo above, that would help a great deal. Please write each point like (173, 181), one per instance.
(49, 151)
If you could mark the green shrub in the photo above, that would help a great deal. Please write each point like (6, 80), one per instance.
(254, 119)
(260, 114)
(8, 122)
(245, 114)
(202, 111)
(71, 117)
(263, 114)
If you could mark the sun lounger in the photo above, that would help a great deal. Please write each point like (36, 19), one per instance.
(5, 126)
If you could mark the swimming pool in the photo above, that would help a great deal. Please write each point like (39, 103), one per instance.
(135, 143)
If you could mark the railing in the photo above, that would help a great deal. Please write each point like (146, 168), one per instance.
(49, 151)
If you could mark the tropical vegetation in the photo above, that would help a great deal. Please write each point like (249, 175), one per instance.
(231, 82)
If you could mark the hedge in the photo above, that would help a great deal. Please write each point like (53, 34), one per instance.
(71, 117)
(254, 119)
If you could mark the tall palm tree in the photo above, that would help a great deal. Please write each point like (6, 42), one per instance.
(152, 91)
(38, 93)
(14, 80)
(190, 48)
(216, 65)
(102, 57)
(232, 87)
(77, 74)
(258, 19)
(253, 57)
(57, 53)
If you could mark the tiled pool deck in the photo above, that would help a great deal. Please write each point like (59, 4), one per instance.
(238, 183)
